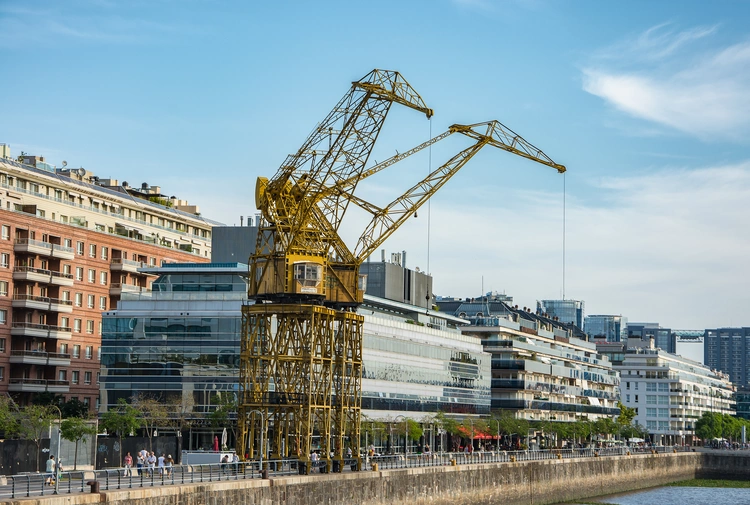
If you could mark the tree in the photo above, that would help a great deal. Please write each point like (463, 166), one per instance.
(34, 423)
(74, 408)
(76, 429)
(709, 426)
(180, 410)
(47, 398)
(225, 414)
(8, 417)
(121, 419)
(153, 415)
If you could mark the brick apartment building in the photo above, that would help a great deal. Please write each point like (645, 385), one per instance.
(71, 245)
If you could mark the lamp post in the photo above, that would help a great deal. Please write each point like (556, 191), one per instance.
(57, 464)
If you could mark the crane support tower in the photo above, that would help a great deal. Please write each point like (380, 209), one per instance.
(301, 345)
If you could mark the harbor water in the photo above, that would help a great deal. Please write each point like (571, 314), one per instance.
(680, 496)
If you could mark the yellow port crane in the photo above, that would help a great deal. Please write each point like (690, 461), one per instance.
(301, 346)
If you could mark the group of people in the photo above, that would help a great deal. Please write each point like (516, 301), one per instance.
(148, 462)
(53, 470)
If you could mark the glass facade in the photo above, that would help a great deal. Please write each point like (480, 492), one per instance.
(566, 311)
(609, 328)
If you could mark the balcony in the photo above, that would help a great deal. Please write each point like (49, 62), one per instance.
(42, 276)
(29, 246)
(125, 265)
(32, 302)
(117, 289)
(40, 331)
(21, 385)
(39, 358)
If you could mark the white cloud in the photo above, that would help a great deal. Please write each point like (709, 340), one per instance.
(704, 94)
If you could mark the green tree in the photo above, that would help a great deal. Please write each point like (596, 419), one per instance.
(122, 419)
(46, 398)
(74, 408)
(34, 424)
(76, 430)
(153, 415)
(8, 417)
(709, 426)
(225, 414)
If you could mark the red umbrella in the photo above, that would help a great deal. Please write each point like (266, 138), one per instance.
(216, 444)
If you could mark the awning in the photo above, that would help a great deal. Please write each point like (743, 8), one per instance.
(72, 193)
(594, 401)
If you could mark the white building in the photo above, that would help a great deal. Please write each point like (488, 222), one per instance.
(670, 393)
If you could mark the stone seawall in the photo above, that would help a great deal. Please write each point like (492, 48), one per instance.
(525, 483)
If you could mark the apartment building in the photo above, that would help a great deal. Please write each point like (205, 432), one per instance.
(70, 245)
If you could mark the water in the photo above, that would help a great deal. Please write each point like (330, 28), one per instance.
(681, 496)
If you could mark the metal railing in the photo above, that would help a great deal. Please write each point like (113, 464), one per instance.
(33, 484)
(42, 271)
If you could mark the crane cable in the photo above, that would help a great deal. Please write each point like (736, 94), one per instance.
(429, 171)
(563, 241)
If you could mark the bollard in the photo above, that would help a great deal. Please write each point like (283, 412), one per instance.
(559, 456)
(264, 473)
(653, 451)
(596, 454)
(627, 453)
(94, 485)
(674, 450)
(453, 462)
(374, 467)
(512, 459)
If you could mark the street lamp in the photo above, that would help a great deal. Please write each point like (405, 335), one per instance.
(57, 464)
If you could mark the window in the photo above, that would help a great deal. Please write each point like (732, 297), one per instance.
(627, 385)
(90, 301)
(68, 242)
(4, 260)
(79, 300)
(6, 232)
(2, 345)
(99, 354)
(664, 387)
(2, 373)
(92, 275)
(663, 425)
(65, 322)
(636, 386)
(663, 400)
(89, 328)
(86, 401)
(79, 273)
(76, 351)
(89, 350)
(651, 399)
(636, 398)
(87, 378)
(3, 288)
(627, 398)
(3, 316)
(650, 425)
(66, 296)
(663, 412)
(98, 374)
(97, 404)
(62, 375)
(650, 386)
(103, 278)
(92, 250)
(79, 248)
(63, 348)
(651, 412)
(103, 302)
(66, 270)
(105, 253)
(74, 377)
(77, 325)
(152, 262)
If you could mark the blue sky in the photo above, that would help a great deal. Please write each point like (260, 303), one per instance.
(646, 103)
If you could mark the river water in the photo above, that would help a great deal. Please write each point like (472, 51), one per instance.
(681, 496)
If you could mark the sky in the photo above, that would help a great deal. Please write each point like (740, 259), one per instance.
(646, 103)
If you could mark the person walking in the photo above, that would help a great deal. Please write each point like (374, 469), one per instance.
(151, 462)
(128, 466)
(161, 464)
(59, 468)
(50, 470)
(168, 464)
(139, 463)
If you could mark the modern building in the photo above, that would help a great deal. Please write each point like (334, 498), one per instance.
(669, 392)
(566, 311)
(70, 246)
(606, 327)
(541, 372)
(727, 349)
(663, 338)
(181, 342)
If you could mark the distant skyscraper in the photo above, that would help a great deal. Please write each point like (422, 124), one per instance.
(727, 349)
(663, 337)
(609, 328)
(567, 311)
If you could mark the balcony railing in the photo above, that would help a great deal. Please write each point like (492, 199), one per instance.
(123, 261)
(45, 327)
(43, 299)
(45, 245)
(42, 271)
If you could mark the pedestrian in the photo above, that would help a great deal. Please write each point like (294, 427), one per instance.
(168, 464)
(151, 462)
(161, 464)
(235, 462)
(50, 469)
(313, 461)
(59, 468)
(140, 462)
(128, 466)
(224, 462)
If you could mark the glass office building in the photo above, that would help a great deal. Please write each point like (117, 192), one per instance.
(180, 343)
(606, 327)
(566, 311)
